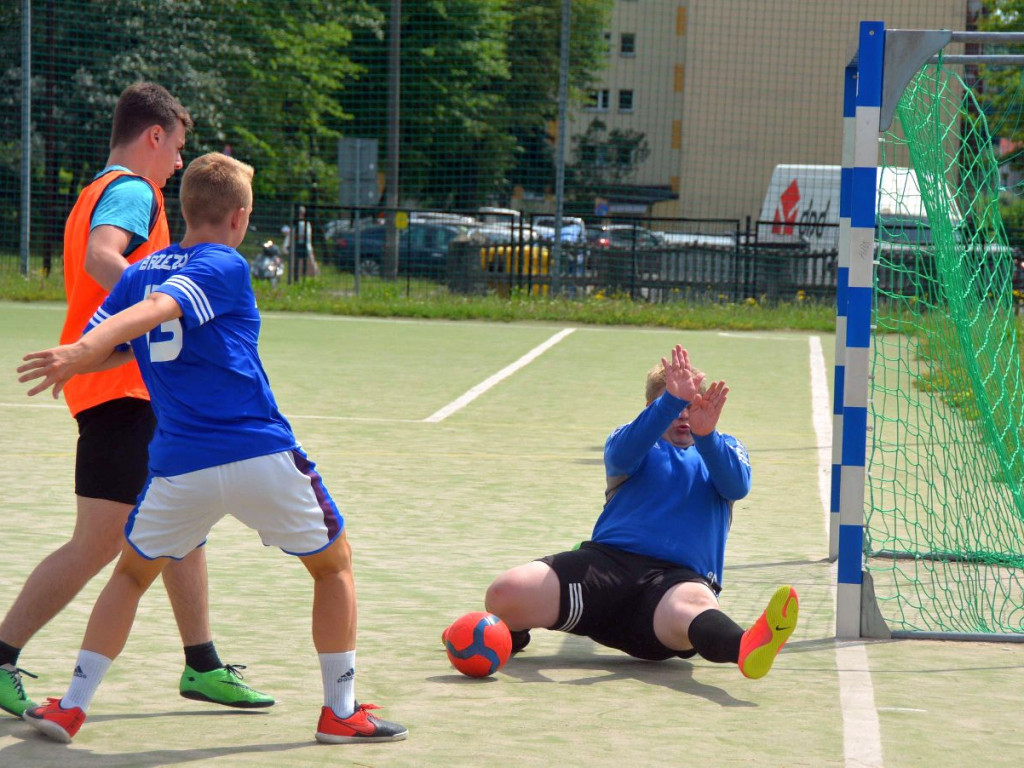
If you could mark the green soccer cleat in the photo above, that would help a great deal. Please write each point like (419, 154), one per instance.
(12, 693)
(222, 686)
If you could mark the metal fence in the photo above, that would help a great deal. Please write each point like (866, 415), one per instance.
(664, 116)
(504, 253)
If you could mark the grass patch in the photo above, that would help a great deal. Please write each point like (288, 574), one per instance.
(35, 286)
(334, 293)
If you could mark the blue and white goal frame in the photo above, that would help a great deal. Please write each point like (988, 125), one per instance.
(883, 63)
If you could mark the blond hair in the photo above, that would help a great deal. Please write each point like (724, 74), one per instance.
(656, 382)
(213, 187)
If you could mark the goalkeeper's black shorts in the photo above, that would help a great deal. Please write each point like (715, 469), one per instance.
(610, 595)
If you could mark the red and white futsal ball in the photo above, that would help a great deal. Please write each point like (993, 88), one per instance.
(478, 644)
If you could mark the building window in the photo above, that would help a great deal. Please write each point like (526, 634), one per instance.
(599, 100)
(627, 44)
(625, 101)
(608, 41)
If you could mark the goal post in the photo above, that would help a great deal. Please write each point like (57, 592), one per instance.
(927, 507)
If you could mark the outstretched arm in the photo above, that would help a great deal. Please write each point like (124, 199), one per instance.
(93, 351)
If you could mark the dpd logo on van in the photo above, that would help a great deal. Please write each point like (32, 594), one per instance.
(787, 210)
(810, 223)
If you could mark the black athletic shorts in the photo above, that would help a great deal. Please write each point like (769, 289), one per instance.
(112, 460)
(609, 595)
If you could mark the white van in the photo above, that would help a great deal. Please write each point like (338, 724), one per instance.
(802, 206)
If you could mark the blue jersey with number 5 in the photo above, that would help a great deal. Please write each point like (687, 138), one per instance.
(211, 396)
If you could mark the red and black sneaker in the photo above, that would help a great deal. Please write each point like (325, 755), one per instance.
(54, 721)
(360, 726)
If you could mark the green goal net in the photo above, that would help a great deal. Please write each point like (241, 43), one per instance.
(944, 516)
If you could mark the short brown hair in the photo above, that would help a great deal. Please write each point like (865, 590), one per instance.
(656, 382)
(142, 105)
(213, 187)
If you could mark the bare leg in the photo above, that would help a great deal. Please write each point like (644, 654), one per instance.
(114, 612)
(334, 597)
(98, 535)
(525, 597)
(187, 589)
(677, 609)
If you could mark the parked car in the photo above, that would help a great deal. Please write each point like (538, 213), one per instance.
(491, 215)
(574, 230)
(700, 239)
(504, 234)
(422, 248)
(623, 236)
(340, 227)
(442, 217)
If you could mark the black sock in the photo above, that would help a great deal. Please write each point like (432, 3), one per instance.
(716, 637)
(520, 639)
(202, 657)
(9, 654)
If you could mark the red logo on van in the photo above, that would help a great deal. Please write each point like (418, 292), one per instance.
(786, 212)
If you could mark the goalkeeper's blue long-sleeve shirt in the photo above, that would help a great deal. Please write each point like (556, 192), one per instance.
(668, 502)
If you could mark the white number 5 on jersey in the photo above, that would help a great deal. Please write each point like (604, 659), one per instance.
(165, 341)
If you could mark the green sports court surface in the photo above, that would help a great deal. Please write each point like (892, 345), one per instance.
(457, 450)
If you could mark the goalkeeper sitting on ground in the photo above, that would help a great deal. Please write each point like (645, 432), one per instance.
(647, 582)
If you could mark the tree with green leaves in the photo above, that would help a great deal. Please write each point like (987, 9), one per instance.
(532, 90)
(261, 77)
(479, 92)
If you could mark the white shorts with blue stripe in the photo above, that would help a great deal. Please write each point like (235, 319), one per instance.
(280, 495)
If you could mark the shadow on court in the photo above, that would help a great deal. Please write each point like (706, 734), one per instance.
(578, 655)
(36, 750)
(673, 674)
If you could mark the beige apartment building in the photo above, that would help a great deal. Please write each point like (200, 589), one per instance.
(724, 90)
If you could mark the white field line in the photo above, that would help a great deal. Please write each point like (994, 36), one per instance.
(761, 336)
(381, 420)
(60, 407)
(862, 739)
(472, 394)
(289, 416)
(283, 315)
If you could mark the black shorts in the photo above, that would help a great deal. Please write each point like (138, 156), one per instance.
(112, 460)
(610, 595)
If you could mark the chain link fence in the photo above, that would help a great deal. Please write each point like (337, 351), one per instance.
(624, 148)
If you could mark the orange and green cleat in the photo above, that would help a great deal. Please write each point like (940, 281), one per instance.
(762, 642)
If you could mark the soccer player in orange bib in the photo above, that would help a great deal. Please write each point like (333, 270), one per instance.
(117, 220)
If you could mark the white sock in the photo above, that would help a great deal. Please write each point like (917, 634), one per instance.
(89, 672)
(339, 675)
